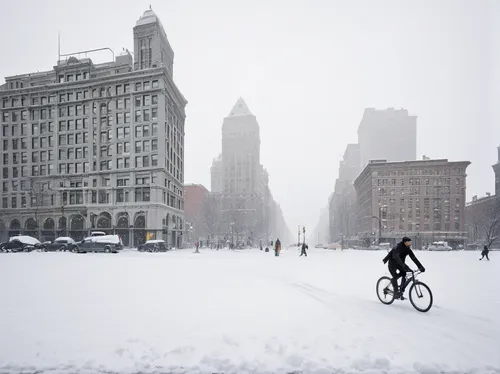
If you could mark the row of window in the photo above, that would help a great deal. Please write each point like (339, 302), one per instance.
(434, 171)
(415, 191)
(415, 227)
(139, 194)
(124, 163)
(416, 181)
(120, 103)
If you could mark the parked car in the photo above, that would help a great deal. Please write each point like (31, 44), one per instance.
(439, 246)
(62, 243)
(98, 233)
(385, 247)
(318, 246)
(20, 243)
(153, 246)
(104, 243)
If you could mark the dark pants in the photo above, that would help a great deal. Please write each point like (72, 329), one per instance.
(303, 252)
(396, 273)
(483, 257)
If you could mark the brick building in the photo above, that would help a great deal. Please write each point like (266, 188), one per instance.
(195, 212)
(424, 200)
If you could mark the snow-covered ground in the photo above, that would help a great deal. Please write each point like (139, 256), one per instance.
(243, 312)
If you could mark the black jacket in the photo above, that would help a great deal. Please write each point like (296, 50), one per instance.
(397, 257)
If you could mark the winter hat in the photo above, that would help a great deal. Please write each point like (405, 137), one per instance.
(406, 239)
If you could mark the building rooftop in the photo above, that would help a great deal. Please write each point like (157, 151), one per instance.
(240, 109)
(148, 17)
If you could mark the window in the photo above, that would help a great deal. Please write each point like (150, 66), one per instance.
(138, 131)
(154, 129)
(138, 86)
(154, 114)
(147, 85)
(138, 162)
(126, 88)
(146, 115)
(146, 100)
(154, 99)
(145, 131)
(127, 117)
(154, 160)
(142, 194)
(138, 147)
(154, 144)
(145, 161)
(137, 101)
(156, 84)
(62, 139)
(138, 116)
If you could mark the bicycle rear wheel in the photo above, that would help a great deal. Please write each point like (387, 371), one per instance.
(385, 291)
(421, 297)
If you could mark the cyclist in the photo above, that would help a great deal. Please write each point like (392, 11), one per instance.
(397, 266)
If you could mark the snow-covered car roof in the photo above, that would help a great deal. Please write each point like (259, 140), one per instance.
(64, 238)
(25, 239)
(115, 239)
(153, 241)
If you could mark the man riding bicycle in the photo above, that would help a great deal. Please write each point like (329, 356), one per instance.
(397, 266)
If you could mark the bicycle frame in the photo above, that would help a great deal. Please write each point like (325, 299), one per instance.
(410, 277)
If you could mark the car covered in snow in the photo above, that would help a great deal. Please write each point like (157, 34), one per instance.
(20, 243)
(102, 243)
(439, 246)
(385, 247)
(154, 245)
(62, 243)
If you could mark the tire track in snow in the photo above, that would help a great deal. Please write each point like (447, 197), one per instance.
(456, 330)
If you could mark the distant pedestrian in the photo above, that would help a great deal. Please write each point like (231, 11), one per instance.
(303, 251)
(277, 247)
(485, 253)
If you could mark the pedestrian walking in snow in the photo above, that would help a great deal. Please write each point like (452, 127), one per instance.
(303, 250)
(277, 247)
(485, 253)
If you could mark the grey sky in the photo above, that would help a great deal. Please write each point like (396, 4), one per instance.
(307, 70)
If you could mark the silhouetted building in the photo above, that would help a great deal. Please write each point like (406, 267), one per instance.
(387, 135)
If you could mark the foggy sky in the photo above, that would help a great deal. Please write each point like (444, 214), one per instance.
(306, 68)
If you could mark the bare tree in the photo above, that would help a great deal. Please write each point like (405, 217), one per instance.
(490, 222)
(211, 216)
(37, 193)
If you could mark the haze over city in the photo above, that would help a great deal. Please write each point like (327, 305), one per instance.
(306, 72)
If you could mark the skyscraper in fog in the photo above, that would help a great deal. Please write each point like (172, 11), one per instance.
(248, 210)
(387, 134)
(96, 146)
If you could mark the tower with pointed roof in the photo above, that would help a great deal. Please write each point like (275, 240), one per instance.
(151, 46)
(240, 150)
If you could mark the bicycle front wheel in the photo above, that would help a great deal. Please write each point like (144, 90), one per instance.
(421, 297)
(385, 291)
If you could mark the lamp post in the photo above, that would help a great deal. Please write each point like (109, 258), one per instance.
(298, 240)
(304, 236)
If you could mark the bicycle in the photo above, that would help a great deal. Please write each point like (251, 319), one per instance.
(416, 291)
